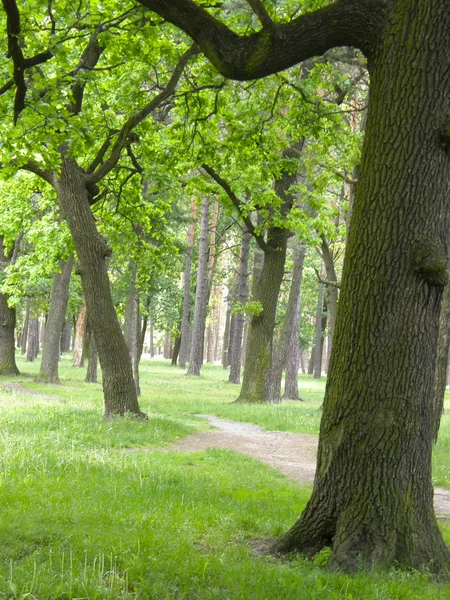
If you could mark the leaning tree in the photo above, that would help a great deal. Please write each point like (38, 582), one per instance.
(373, 497)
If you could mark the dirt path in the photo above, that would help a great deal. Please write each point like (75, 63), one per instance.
(292, 453)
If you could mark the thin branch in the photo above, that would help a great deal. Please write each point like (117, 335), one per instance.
(259, 9)
(336, 284)
(20, 63)
(42, 173)
(239, 207)
(134, 120)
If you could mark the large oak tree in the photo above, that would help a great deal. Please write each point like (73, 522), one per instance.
(372, 498)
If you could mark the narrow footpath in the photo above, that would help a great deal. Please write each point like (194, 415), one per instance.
(294, 454)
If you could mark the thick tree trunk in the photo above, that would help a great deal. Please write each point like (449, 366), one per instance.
(185, 328)
(196, 354)
(239, 318)
(293, 340)
(59, 299)
(80, 336)
(33, 339)
(118, 384)
(373, 497)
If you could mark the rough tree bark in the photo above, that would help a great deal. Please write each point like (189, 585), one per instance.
(373, 498)
(196, 354)
(59, 298)
(7, 325)
(117, 376)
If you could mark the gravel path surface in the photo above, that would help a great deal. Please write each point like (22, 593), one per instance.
(292, 453)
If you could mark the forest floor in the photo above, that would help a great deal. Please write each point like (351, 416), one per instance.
(294, 454)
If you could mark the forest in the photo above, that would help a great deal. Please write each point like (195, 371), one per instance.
(224, 299)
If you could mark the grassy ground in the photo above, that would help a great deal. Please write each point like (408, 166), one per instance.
(83, 517)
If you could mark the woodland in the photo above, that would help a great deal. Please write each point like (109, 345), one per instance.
(233, 208)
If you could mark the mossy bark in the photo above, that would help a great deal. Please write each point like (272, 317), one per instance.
(373, 498)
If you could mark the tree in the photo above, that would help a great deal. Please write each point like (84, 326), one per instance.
(7, 322)
(59, 299)
(377, 426)
(198, 329)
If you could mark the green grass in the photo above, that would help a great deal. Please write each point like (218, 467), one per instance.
(84, 517)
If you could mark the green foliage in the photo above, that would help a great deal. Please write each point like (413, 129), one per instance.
(252, 308)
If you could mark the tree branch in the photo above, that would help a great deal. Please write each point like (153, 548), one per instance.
(133, 121)
(89, 58)
(325, 281)
(343, 23)
(259, 9)
(20, 63)
(238, 206)
(42, 173)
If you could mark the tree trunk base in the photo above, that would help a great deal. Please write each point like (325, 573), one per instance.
(360, 542)
(48, 379)
(9, 370)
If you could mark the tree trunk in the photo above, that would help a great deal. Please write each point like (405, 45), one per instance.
(185, 329)
(80, 335)
(373, 497)
(7, 325)
(91, 373)
(226, 333)
(332, 290)
(118, 384)
(176, 350)
(442, 360)
(196, 355)
(318, 345)
(280, 354)
(293, 339)
(59, 299)
(33, 339)
(24, 340)
(66, 336)
(239, 318)
(255, 382)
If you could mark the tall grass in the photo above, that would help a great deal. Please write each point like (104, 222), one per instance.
(84, 517)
